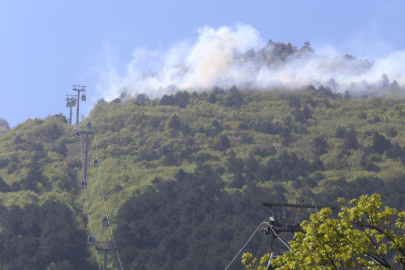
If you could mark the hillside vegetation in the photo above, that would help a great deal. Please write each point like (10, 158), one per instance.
(4, 126)
(184, 176)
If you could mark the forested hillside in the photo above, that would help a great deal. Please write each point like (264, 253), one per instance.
(184, 176)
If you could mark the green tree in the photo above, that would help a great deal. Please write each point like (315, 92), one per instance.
(174, 122)
(380, 143)
(222, 143)
(3, 186)
(252, 263)
(4, 125)
(142, 98)
(394, 85)
(366, 234)
(385, 81)
(320, 146)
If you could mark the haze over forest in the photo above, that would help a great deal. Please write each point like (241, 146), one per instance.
(240, 56)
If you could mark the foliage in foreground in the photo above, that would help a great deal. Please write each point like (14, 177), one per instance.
(366, 234)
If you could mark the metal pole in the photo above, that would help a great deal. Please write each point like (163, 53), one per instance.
(86, 153)
(105, 259)
(296, 205)
(77, 111)
(70, 116)
(105, 249)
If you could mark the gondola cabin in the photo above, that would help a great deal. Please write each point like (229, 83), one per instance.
(84, 97)
(104, 221)
(91, 240)
(96, 163)
(83, 184)
(77, 134)
(89, 125)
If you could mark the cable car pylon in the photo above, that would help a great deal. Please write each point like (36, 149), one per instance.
(105, 246)
(78, 89)
(70, 103)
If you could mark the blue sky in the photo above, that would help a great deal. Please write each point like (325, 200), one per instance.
(48, 45)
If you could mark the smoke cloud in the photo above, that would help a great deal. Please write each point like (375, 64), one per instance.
(224, 57)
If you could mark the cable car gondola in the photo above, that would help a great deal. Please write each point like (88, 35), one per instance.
(68, 104)
(91, 240)
(89, 125)
(84, 97)
(77, 134)
(104, 221)
(83, 184)
(96, 163)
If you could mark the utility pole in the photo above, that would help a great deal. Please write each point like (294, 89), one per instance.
(70, 103)
(79, 88)
(86, 155)
(86, 152)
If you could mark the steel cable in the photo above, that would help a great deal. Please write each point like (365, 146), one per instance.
(104, 201)
(85, 194)
(244, 246)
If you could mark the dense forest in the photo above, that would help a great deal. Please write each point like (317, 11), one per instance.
(184, 176)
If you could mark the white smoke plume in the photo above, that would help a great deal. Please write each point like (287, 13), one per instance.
(224, 57)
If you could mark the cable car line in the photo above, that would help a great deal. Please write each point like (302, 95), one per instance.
(250, 238)
(85, 195)
(99, 245)
(102, 192)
